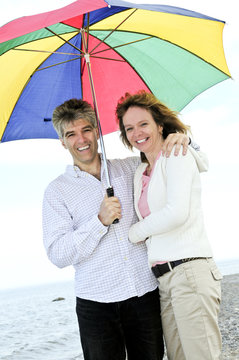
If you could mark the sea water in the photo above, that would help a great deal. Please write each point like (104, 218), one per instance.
(34, 327)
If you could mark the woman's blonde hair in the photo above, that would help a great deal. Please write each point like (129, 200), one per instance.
(161, 114)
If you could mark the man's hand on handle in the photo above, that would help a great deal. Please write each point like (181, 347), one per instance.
(110, 210)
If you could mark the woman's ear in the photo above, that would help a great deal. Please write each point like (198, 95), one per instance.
(161, 129)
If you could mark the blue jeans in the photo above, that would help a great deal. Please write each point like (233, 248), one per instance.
(109, 330)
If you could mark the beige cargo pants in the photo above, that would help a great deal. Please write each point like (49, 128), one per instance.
(190, 296)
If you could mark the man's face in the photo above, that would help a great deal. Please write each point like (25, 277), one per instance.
(80, 138)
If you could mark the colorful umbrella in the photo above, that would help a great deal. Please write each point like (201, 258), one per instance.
(104, 48)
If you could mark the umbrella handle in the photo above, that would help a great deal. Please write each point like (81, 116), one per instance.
(110, 193)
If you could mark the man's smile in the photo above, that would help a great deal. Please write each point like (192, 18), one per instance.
(83, 148)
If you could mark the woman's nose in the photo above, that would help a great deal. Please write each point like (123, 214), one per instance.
(137, 131)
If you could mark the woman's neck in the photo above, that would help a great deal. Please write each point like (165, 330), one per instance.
(152, 156)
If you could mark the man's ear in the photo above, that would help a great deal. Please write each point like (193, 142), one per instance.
(63, 144)
(97, 133)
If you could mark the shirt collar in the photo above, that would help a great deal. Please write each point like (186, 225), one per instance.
(75, 171)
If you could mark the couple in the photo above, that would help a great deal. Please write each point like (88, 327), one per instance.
(116, 283)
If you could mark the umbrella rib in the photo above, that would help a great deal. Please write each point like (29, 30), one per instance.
(66, 41)
(48, 52)
(105, 58)
(87, 32)
(63, 62)
(117, 46)
(113, 30)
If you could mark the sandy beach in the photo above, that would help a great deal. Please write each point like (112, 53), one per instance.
(229, 317)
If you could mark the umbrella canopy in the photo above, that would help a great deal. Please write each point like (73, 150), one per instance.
(174, 53)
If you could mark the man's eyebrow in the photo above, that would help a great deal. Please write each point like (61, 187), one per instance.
(89, 126)
(69, 132)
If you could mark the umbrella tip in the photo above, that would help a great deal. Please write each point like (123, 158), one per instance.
(109, 6)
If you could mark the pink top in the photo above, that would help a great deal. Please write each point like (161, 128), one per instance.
(143, 202)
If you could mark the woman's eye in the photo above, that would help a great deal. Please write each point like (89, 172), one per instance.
(128, 129)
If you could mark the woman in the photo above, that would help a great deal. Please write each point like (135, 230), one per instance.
(168, 204)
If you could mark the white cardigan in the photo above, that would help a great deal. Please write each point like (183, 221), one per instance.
(175, 227)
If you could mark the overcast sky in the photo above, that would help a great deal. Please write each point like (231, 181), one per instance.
(26, 167)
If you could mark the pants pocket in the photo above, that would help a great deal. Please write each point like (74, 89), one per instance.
(216, 274)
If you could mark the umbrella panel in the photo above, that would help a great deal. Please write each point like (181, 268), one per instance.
(173, 72)
(50, 87)
(45, 90)
(149, 63)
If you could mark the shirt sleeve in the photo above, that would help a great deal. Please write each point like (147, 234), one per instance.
(200, 158)
(194, 145)
(179, 172)
(67, 244)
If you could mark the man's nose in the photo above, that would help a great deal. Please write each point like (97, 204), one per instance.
(80, 137)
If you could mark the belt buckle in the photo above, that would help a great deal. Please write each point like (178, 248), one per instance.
(164, 270)
(160, 269)
(170, 266)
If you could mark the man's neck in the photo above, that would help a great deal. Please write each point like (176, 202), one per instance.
(93, 169)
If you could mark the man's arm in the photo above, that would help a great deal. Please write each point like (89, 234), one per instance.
(178, 139)
(181, 140)
(67, 242)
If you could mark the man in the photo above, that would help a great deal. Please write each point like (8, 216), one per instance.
(118, 306)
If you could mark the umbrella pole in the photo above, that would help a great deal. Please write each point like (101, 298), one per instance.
(109, 190)
(98, 119)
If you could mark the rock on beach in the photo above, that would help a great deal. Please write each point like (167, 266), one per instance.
(58, 299)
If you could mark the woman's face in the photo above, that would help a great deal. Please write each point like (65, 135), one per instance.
(142, 131)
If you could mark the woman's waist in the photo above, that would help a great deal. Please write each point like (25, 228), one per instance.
(172, 247)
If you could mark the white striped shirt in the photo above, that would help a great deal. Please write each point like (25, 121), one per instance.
(108, 267)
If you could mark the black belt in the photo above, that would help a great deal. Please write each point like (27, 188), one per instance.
(161, 269)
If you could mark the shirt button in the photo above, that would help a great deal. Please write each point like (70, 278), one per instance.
(125, 258)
